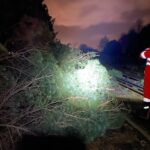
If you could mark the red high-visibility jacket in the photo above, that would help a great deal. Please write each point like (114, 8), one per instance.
(146, 55)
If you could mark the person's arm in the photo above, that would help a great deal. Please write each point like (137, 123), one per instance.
(142, 55)
(145, 54)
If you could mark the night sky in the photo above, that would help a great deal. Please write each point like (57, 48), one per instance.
(87, 21)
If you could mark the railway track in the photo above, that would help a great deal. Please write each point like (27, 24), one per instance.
(131, 83)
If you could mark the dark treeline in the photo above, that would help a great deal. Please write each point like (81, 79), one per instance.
(24, 23)
(127, 49)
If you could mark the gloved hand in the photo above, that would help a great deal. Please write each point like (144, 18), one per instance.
(146, 105)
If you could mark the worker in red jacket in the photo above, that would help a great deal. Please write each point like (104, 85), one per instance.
(146, 55)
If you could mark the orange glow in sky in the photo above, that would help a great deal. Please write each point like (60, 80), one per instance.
(87, 21)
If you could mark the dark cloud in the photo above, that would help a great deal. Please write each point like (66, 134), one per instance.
(108, 28)
(76, 34)
(101, 28)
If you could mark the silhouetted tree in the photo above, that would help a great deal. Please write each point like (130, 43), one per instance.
(145, 37)
(128, 46)
(112, 53)
(103, 43)
(12, 12)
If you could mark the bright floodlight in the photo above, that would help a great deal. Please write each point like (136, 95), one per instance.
(90, 81)
(88, 78)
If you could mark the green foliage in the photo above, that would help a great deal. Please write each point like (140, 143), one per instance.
(69, 103)
(88, 123)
